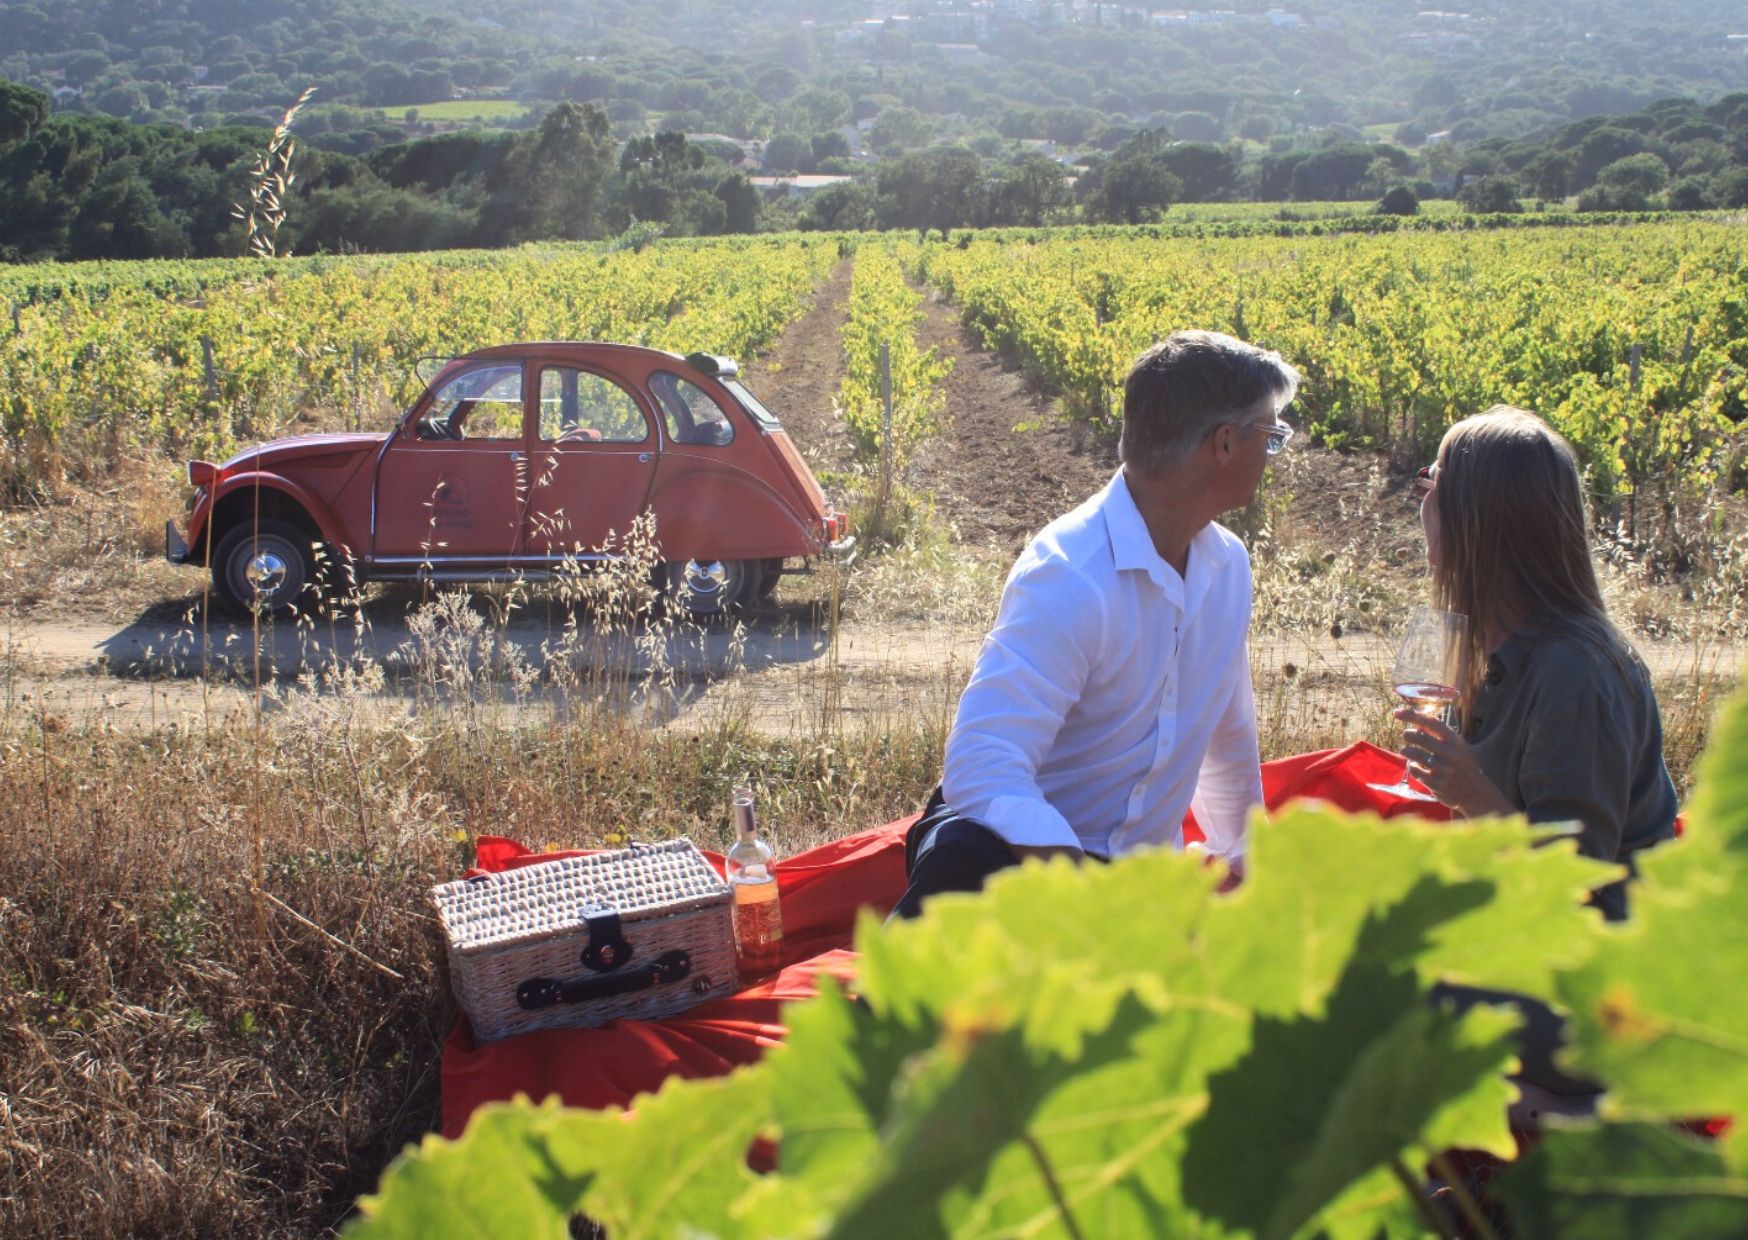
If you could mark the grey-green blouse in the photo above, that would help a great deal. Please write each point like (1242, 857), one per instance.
(1570, 735)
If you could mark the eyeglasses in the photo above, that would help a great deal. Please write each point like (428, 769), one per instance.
(1278, 434)
(1425, 479)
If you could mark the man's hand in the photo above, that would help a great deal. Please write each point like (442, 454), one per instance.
(1046, 851)
(1234, 868)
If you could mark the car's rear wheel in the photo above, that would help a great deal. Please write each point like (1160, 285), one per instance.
(711, 589)
(267, 565)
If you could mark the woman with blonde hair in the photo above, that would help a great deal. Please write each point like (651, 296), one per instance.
(1558, 720)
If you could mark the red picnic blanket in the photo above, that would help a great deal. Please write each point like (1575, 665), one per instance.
(821, 890)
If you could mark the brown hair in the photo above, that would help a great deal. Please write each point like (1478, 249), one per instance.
(1179, 390)
(1514, 544)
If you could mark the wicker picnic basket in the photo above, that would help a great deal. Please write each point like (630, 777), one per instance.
(642, 932)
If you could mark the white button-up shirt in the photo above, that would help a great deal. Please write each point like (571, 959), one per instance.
(1112, 694)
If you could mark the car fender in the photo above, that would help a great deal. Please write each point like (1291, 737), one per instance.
(706, 511)
(327, 525)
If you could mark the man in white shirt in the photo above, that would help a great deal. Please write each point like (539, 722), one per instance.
(1114, 691)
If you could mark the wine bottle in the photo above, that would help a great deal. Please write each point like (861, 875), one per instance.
(758, 913)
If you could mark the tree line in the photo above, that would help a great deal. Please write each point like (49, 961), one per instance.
(85, 187)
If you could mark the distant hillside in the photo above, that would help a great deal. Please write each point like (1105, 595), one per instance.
(995, 69)
(127, 127)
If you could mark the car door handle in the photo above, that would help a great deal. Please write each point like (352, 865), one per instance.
(643, 458)
(518, 456)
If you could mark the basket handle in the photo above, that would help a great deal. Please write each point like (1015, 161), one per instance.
(544, 992)
(608, 947)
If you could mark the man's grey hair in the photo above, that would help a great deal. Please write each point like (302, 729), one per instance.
(1179, 390)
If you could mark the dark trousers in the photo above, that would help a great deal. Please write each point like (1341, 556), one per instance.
(946, 851)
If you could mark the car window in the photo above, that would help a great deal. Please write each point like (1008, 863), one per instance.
(579, 407)
(691, 415)
(480, 404)
(763, 416)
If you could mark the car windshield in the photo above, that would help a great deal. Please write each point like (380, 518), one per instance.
(763, 416)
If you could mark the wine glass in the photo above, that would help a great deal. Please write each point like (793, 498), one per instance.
(1426, 676)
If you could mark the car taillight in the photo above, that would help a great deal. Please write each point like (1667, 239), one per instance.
(834, 525)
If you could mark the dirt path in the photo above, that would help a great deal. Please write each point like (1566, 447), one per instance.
(782, 671)
(798, 378)
(784, 674)
(999, 487)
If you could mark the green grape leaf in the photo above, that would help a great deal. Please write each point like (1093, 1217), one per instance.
(1625, 1180)
(1057, 943)
(1316, 875)
(1375, 1208)
(678, 1160)
(834, 1081)
(1041, 991)
(977, 1092)
(1541, 888)
(1657, 1013)
(1719, 806)
(1107, 1142)
(1318, 1104)
(516, 1171)
(994, 965)
(852, 1085)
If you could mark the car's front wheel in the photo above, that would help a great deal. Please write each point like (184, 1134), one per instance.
(267, 566)
(711, 589)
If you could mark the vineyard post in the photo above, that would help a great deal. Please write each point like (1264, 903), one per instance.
(1634, 354)
(211, 370)
(17, 327)
(885, 423)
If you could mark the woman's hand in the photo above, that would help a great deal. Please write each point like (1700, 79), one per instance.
(1440, 758)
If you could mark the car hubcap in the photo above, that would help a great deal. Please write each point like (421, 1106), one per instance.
(266, 572)
(706, 580)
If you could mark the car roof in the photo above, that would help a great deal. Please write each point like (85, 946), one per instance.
(709, 364)
(522, 347)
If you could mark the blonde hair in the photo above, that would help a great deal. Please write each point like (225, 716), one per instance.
(1514, 545)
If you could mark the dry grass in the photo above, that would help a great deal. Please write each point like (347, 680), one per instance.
(184, 1053)
(97, 550)
(182, 1058)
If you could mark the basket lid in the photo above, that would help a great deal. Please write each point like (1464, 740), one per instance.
(537, 901)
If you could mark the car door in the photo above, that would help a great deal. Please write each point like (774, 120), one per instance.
(452, 483)
(592, 461)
